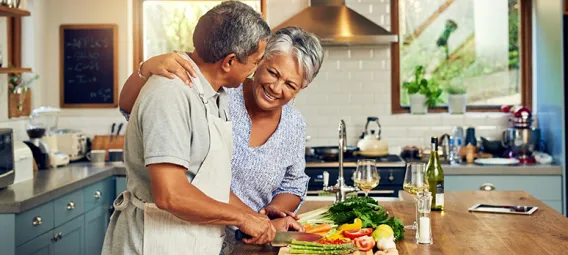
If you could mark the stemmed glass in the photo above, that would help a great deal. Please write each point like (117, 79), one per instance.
(366, 176)
(414, 182)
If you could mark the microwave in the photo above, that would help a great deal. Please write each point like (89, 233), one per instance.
(7, 174)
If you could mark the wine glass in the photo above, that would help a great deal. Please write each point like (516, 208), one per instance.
(414, 182)
(366, 176)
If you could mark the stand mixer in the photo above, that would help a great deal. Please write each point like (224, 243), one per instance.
(521, 138)
(41, 129)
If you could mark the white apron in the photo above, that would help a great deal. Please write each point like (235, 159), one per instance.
(164, 233)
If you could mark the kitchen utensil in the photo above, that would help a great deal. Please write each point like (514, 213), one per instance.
(520, 144)
(496, 161)
(73, 143)
(112, 131)
(41, 128)
(115, 155)
(332, 152)
(96, 157)
(103, 142)
(470, 137)
(371, 145)
(283, 238)
(492, 147)
(119, 128)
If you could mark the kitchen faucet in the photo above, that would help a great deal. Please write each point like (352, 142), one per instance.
(340, 189)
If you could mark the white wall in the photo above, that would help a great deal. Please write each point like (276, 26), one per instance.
(354, 82)
(549, 79)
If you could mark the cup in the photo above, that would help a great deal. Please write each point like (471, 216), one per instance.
(97, 157)
(115, 155)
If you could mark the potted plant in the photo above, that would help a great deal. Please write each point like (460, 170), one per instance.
(18, 85)
(457, 98)
(422, 93)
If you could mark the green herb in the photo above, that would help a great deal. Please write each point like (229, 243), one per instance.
(368, 210)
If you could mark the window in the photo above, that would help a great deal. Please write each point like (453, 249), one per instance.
(482, 46)
(163, 26)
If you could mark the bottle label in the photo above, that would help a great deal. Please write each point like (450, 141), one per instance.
(439, 194)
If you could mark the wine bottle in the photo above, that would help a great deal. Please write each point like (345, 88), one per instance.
(435, 177)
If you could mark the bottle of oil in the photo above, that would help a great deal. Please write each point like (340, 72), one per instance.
(435, 177)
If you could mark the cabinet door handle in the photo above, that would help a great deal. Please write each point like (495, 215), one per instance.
(70, 205)
(37, 221)
(391, 177)
(97, 194)
(55, 237)
(487, 187)
(59, 236)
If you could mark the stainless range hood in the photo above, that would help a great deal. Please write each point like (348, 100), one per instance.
(336, 24)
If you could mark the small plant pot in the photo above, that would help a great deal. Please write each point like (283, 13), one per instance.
(457, 103)
(418, 104)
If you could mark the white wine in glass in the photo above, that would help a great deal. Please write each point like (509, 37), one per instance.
(414, 182)
(366, 176)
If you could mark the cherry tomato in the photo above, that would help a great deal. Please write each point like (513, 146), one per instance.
(352, 234)
(365, 243)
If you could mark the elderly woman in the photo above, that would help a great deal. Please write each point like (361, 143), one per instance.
(268, 133)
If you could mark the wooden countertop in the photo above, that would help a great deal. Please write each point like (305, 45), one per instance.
(457, 231)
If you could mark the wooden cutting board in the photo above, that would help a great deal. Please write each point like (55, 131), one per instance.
(284, 251)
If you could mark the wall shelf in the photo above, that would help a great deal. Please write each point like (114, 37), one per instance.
(13, 12)
(15, 70)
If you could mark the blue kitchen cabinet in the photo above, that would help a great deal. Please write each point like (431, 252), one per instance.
(74, 223)
(546, 188)
(43, 245)
(120, 185)
(70, 237)
(96, 222)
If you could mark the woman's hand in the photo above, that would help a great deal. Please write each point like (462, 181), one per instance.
(287, 224)
(169, 65)
(274, 212)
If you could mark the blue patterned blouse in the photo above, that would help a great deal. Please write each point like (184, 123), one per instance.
(277, 166)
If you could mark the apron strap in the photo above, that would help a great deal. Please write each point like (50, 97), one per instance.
(124, 199)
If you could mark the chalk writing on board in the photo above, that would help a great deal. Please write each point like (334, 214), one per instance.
(88, 66)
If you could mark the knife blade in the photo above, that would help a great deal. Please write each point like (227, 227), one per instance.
(112, 130)
(283, 238)
(119, 128)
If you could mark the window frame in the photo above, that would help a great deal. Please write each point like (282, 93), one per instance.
(138, 24)
(525, 45)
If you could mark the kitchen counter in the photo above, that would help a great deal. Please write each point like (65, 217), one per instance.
(50, 184)
(457, 231)
(472, 169)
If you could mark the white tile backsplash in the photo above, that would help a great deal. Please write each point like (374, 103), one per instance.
(355, 82)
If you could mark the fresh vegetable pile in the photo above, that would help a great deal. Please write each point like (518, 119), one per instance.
(359, 223)
(368, 210)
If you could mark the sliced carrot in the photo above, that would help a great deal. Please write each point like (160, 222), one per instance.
(307, 226)
(320, 228)
(323, 233)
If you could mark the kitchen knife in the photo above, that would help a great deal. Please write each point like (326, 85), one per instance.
(283, 238)
(119, 128)
(112, 130)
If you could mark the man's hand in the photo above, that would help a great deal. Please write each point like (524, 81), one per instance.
(274, 212)
(287, 224)
(259, 227)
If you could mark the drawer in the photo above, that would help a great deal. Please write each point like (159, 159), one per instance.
(98, 194)
(541, 187)
(68, 207)
(34, 222)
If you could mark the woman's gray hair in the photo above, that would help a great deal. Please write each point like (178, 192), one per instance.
(303, 45)
(230, 27)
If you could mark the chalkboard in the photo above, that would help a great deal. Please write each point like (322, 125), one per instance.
(89, 64)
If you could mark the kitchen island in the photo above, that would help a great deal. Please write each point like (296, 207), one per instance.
(457, 231)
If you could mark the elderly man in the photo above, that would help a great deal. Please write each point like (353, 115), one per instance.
(179, 145)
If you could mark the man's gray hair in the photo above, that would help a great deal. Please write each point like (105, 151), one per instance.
(303, 45)
(230, 27)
